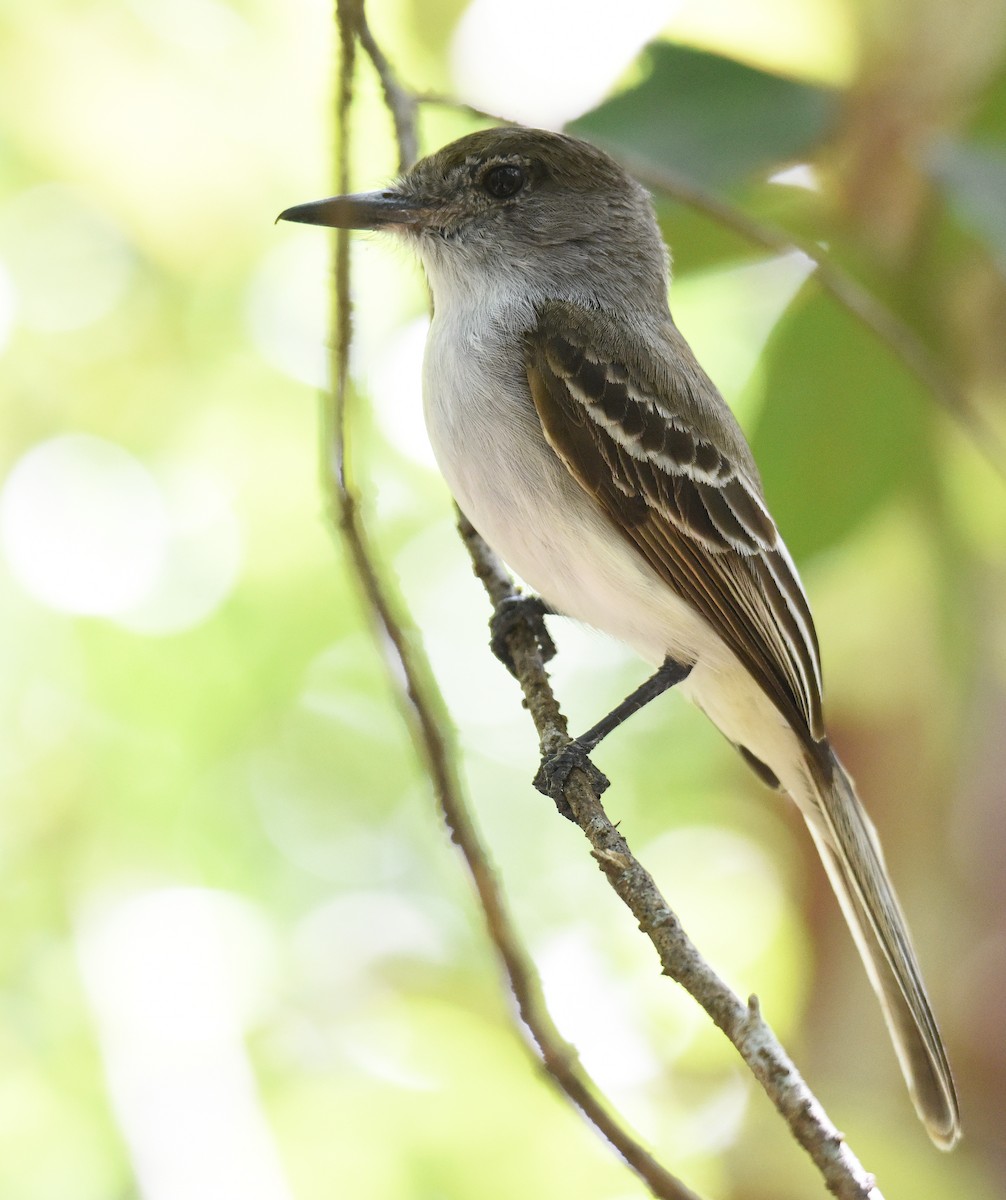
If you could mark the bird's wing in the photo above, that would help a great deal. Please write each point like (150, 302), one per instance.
(643, 437)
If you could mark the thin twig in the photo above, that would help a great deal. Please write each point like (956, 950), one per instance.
(440, 101)
(425, 711)
(742, 1023)
(402, 103)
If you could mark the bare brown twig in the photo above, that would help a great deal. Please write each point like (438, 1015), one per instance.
(428, 722)
(402, 104)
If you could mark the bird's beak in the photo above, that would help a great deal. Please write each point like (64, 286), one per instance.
(366, 210)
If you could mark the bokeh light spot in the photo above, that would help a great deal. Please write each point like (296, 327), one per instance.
(569, 64)
(89, 530)
(68, 262)
(83, 525)
(175, 976)
(201, 561)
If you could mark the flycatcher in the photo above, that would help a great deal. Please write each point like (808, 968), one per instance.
(587, 446)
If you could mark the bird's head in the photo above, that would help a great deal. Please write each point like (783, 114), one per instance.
(522, 208)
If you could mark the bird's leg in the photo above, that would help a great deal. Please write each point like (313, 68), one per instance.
(529, 611)
(555, 768)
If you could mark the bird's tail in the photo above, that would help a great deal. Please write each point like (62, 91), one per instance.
(851, 853)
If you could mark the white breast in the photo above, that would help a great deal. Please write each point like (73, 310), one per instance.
(513, 488)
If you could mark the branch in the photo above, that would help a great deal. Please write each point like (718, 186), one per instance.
(679, 959)
(401, 103)
(413, 680)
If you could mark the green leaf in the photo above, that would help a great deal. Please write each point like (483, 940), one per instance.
(710, 119)
(843, 426)
(973, 176)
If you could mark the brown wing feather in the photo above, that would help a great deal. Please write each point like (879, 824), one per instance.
(649, 443)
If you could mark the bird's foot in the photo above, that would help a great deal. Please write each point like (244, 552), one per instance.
(556, 768)
(528, 611)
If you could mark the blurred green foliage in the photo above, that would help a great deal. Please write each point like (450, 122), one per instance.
(828, 477)
(712, 119)
(974, 176)
(239, 956)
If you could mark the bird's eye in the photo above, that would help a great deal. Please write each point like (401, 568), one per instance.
(503, 181)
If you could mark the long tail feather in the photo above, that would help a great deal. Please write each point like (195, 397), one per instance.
(853, 859)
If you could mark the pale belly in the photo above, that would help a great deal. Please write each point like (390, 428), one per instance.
(521, 498)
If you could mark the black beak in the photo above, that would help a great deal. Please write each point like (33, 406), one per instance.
(367, 210)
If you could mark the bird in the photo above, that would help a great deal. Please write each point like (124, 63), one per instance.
(581, 438)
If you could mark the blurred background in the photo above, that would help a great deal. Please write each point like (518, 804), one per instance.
(238, 956)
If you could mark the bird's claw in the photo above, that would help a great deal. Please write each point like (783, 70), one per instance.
(556, 768)
(528, 611)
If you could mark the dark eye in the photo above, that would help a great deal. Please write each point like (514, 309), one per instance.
(503, 181)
